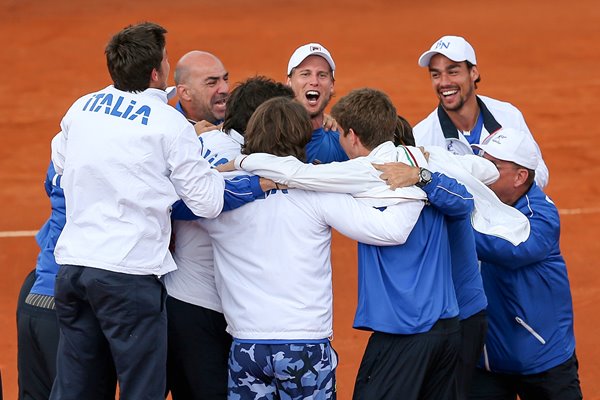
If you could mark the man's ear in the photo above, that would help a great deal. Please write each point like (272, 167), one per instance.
(183, 92)
(154, 75)
(354, 139)
(521, 177)
(474, 73)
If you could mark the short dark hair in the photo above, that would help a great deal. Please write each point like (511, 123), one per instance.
(530, 177)
(470, 65)
(403, 134)
(133, 53)
(247, 96)
(280, 126)
(369, 113)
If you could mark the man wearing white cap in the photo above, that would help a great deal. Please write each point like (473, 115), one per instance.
(463, 118)
(310, 74)
(530, 346)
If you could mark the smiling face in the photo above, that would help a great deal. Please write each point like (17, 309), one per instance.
(453, 82)
(202, 86)
(312, 83)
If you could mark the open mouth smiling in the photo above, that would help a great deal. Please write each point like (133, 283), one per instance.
(448, 92)
(312, 96)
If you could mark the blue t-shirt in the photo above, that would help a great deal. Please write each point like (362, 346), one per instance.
(325, 147)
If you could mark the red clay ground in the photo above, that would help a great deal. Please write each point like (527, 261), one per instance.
(539, 55)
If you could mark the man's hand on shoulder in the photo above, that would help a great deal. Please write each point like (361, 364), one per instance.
(204, 126)
(397, 174)
(329, 124)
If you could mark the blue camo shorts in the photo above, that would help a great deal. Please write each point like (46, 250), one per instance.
(283, 371)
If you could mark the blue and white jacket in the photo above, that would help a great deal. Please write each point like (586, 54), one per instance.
(46, 267)
(530, 310)
(465, 265)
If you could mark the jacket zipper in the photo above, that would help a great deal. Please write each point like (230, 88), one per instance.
(486, 360)
(530, 330)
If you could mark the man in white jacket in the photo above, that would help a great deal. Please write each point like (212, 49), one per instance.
(273, 269)
(126, 156)
(463, 118)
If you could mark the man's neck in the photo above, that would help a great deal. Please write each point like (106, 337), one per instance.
(317, 122)
(520, 192)
(465, 118)
(191, 116)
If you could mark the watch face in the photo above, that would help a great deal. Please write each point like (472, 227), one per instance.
(425, 175)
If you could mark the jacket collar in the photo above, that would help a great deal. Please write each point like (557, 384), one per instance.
(451, 132)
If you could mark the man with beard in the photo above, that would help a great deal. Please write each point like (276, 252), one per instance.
(125, 157)
(463, 118)
(311, 76)
(202, 87)
(198, 345)
(530, 345)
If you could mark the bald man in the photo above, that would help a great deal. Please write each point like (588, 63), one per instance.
(202, 87)
(198, 344)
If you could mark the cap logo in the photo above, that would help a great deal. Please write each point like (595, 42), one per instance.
(315, 48)
(441, 45)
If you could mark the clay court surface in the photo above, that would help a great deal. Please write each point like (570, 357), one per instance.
(539, 55)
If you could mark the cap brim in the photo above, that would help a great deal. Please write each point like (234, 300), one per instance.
(327, 58)
(426, 57)
(504, 156)
(494, 153)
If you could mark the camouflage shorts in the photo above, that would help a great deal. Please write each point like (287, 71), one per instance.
(260, 371)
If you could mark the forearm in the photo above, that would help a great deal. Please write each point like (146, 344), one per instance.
(352, 176)
(370, 225)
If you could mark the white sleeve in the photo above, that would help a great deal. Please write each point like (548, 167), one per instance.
(353, 176)
(367, 224)
(542, 175)
(441, 160)
(58, 145)
(200, 187)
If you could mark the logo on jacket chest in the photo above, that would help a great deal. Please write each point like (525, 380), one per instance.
(118, 107)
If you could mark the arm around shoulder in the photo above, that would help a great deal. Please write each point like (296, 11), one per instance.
(199, 186)
(388, 227)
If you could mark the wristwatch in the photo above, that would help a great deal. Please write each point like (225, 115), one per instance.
(424, 177)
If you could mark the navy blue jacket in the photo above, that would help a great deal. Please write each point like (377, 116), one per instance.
(530, 310)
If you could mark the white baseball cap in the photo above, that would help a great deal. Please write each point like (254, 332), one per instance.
(311, 49)
(455, 48)
(508, 144)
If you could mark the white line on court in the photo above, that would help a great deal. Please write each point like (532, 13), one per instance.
(11, 234)
(577, 211)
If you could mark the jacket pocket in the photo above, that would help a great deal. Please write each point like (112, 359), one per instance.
(530, 330)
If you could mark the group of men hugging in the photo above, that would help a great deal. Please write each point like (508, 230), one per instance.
(188, 249)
